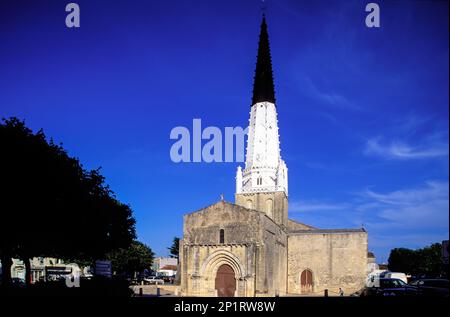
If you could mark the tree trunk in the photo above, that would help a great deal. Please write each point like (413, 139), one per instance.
(6, 270)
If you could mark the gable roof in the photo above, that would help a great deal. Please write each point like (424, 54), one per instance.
(223, 202)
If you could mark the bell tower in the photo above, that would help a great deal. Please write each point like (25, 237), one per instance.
(262, 184)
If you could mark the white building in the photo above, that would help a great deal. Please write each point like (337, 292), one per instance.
(161, 262)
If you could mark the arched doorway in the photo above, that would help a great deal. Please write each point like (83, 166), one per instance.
(225, 281)
(306, 282)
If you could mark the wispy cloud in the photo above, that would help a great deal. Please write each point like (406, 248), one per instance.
(408, 217)
(402, 151)
(329, 98)
(426, 206)
(411, 138)
(410, 124)
(411, 217)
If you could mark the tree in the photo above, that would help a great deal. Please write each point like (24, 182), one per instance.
(136, 258)
(402, 260)
(426, 261)
(175, 248)
(51, 206)
(430, 262)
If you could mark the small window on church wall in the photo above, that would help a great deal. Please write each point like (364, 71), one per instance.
(259, 181)
(222, 236)
(249, 204)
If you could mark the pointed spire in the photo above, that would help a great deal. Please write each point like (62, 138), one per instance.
(263, 88)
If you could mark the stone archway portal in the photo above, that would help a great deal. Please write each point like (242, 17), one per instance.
(225, 281)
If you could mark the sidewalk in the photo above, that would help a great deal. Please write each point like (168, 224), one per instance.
(151, 290)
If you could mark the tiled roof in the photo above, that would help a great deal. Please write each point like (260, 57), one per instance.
(169, 267)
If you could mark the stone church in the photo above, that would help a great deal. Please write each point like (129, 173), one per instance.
(251, 247)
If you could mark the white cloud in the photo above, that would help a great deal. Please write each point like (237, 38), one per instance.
(408, 217)
(411, 138)
(408, 208)
(426, 206)
(403, 151)
(431, 191)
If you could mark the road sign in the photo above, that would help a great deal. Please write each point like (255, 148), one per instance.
(103, 268)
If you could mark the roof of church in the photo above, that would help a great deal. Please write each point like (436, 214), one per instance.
(263, 87)
(222, 202)
(326, 231)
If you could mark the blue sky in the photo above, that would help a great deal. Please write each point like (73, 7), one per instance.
(363, 113)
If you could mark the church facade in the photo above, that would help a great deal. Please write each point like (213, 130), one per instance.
(251, 247)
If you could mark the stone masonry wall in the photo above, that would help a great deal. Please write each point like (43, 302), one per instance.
(336, 260)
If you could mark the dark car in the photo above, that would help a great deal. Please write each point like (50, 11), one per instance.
(432, 287)
(168, 279)
(391, 287)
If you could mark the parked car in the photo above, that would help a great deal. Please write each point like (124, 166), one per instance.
(390, 287)
(153, 280)
(432, 287)
(168, 279)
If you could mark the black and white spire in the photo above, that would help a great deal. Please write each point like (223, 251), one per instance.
(264, 170)
(263, 87)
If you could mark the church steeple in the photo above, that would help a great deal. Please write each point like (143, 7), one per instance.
(263, 87)
(264, 170)
(263, 183)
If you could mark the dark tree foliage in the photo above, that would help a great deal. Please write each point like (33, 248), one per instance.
(426, 261)
(136, 258)
(402, 260)
(175, 248)
(50, 205)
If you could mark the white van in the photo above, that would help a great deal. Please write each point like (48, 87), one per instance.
(397, 275)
